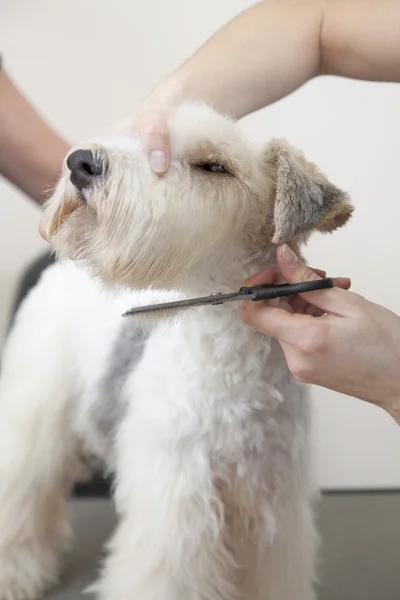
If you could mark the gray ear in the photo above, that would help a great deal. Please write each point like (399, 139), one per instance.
(304, 198)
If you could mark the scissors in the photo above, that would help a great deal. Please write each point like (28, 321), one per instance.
(255, 293)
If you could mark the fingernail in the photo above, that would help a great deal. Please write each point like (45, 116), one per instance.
(158, 161)
(289, 256)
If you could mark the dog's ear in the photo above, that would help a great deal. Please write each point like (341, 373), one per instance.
(304, 199)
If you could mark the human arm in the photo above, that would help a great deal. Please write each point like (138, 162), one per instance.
(354, 348)
(270, 50)
(31, 152)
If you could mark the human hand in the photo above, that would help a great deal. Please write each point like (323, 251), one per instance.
(150, 121)
(332, 338)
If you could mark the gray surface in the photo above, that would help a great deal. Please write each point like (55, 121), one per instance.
(360, 554)
(93, 521)
(361, 547)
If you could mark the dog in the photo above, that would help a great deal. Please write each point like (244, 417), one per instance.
(196, 415)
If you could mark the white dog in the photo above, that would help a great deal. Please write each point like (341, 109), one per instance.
(197, 416)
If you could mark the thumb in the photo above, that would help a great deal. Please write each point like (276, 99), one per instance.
(266, 277)
(294, 270)
(155, 137)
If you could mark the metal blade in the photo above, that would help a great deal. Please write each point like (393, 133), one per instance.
(213, 300)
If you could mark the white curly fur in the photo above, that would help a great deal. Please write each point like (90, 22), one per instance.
(211, 459)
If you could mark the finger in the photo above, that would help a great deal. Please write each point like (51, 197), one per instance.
(271, 276)
(155, 137)
(295, 303)
(335, 301)
(313, 311)
(319, 272)
(280, 279)
(287, 327)
(298, 304)
(302, 305)
(344, 283)
(266, 277)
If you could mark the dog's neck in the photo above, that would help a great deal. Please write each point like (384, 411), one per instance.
(228, 274)
(223, 323)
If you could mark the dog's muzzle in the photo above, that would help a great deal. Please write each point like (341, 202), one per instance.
(85, 168)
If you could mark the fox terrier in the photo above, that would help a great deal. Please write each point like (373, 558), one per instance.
(196, 416)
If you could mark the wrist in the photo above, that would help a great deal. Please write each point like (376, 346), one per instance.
(170, 92)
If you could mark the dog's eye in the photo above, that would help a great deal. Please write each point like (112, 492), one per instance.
(212, 167)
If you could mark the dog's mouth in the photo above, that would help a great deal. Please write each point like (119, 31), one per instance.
(69, 205)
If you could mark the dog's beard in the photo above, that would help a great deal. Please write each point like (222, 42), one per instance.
(73, 231)
(67, 207)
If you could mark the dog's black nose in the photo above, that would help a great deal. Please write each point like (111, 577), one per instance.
(84, 167)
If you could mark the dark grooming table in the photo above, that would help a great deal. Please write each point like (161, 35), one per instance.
(360, 552)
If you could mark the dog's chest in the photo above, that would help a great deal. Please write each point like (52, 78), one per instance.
(219, 382)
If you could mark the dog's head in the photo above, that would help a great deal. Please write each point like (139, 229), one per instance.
(220, 195)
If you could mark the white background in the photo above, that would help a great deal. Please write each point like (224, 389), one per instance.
(87, 63)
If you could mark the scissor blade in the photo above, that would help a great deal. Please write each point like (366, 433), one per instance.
(214, 300)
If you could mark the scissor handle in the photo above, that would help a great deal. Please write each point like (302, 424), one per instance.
(268, 292)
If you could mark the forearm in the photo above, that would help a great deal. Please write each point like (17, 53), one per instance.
(359, 39)
(31, 152)
(260, 56)
(276, 46)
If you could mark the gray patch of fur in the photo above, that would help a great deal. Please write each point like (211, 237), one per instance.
(109, 410)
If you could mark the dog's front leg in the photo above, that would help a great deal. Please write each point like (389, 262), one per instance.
(36, 457)
(171, 542)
